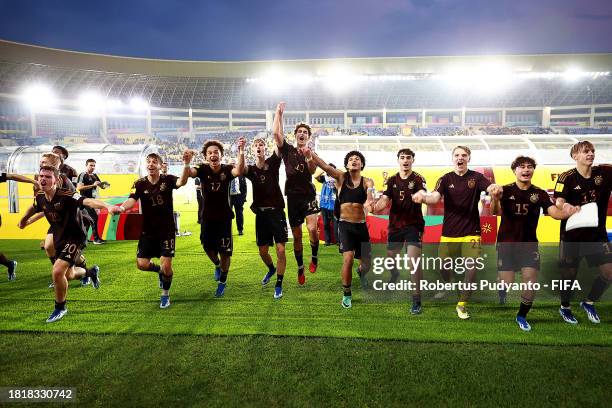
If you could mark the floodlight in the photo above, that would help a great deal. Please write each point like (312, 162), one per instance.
(38, 97)
(138, 104)
(90, 103)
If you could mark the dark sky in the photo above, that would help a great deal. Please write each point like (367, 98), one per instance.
(271, 29)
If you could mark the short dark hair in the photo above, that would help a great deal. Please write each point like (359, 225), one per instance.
(580, 146)
(405, 151)
(304, 125)
(156, 156)
(212, 143)
(522, 159)
(62, 149)
(52, 169)
(89, 161)
(354, 153)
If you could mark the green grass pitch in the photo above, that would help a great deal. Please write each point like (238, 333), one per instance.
(118, 348)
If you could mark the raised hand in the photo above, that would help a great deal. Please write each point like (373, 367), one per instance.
(188, 156)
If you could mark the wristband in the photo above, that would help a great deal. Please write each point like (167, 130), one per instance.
(122, 208)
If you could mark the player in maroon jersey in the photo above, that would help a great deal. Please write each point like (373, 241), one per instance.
(301, 194)
(215, 178)
(157, 238)
(517, 243)
(406, 223)
(582, 185)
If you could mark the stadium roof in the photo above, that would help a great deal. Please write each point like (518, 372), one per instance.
(31, 54)
(224, 86)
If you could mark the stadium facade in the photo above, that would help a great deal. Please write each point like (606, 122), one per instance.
(163, 98)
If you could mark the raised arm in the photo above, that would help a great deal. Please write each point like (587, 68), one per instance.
(20, 178)
(238, 169)
(188, 171)
(277, 127)
(25, 220)
(312, 157)
(97, 204)
(370, 200)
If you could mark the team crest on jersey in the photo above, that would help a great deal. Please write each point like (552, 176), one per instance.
(266, 167)
(598, 180)
(222, 177)
(300, 167)
(534, 198)
(262, 178)
(471, 183)
(162, 187)
(411, 185)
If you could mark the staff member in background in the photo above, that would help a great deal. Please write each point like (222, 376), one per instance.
(326, 203)
(65, 169)
(199, 197)
(238, 193)
(87, 184)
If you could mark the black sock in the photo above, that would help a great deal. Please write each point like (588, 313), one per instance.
(524, 309)
(299, 259)
(271, 267)
(347, 290)
(154, 268)
(167, 281)
(279, 280)
(600, 284)
(60, 305)
(4, 261)
(89, 273)
(566, 296)
(223, 277)
(416, 299)
(315, 252)
(217, 264)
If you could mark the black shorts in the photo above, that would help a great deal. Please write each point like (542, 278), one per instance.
(411, 235)
(217, 236)
(354, 237)
(299, 208)
(270, 227)
(596, 253)
(153, 247)
(69, 250)
(513, 256)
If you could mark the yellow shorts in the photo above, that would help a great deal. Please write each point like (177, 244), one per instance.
(454, 247)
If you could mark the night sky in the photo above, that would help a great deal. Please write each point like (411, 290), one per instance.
(296, 29)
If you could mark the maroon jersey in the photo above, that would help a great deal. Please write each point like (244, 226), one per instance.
(266, 191)
(521, 213)
(577, 190)
(299, 180)
(404, 212)
(63, 213)
(461, 195)
(215, 190)
(69, 172)
(157, 205)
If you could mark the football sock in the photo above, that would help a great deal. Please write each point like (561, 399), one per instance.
(600, 284)
(524, 309)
